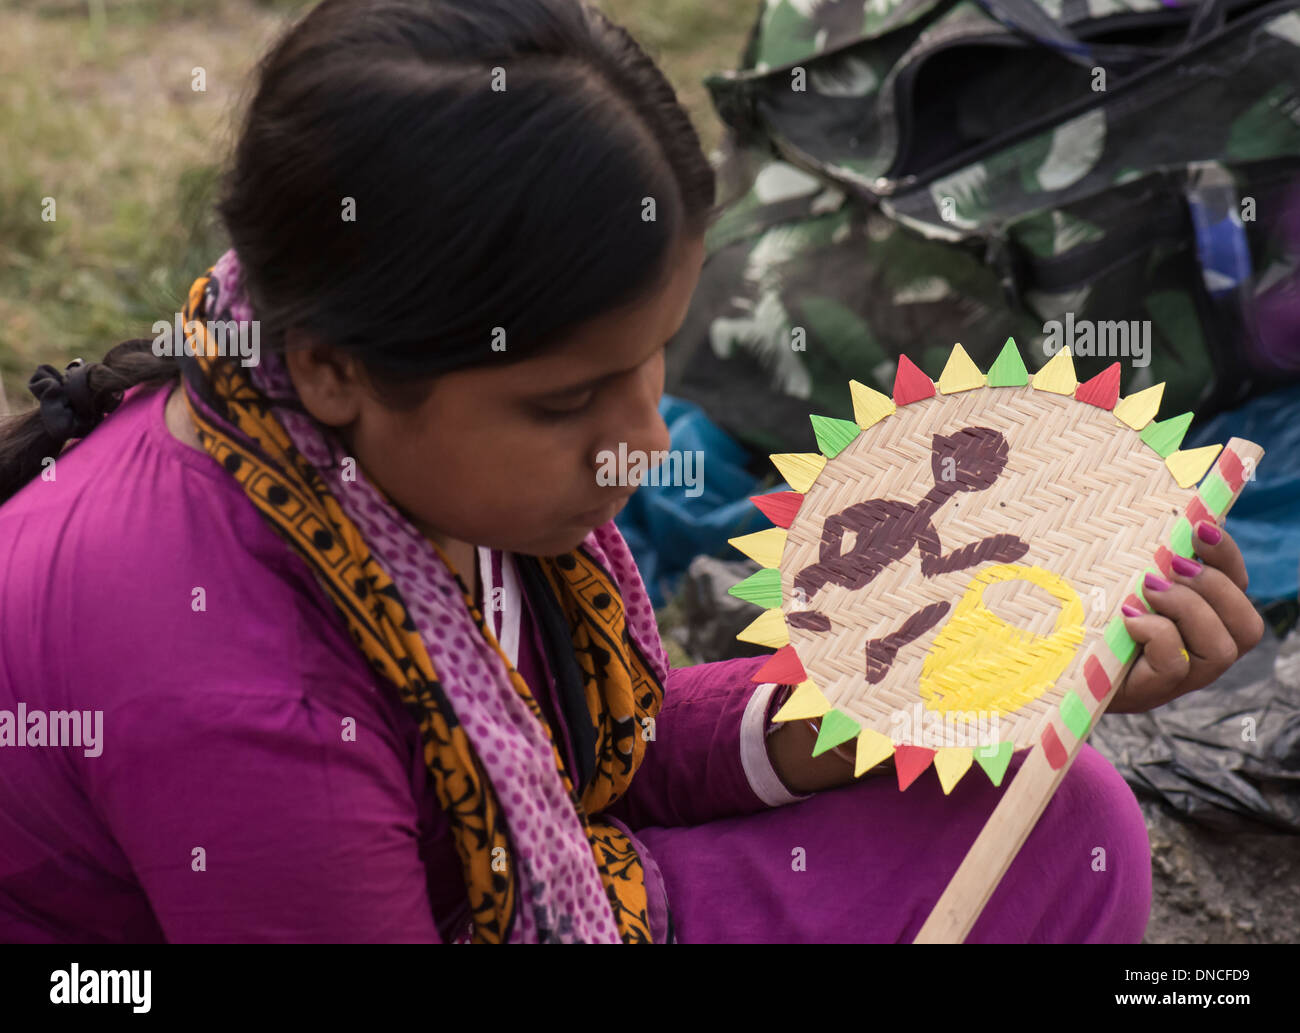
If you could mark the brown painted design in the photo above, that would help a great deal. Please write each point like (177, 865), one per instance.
(881, 651)
(887, 530)
(808, 620)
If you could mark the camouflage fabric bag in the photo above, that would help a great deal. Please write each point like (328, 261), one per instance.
(1117, 175)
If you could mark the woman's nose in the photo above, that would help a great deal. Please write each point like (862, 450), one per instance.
(648, 431)
(654, 436)
(638, 425)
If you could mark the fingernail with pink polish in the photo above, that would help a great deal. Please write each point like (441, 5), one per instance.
(1186, 567)
(1130, 611)
(1156, 584)
(1208, 533)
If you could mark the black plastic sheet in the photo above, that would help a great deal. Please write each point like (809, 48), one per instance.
(1227, 755)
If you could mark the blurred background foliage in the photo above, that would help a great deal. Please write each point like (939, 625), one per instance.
(98, 113)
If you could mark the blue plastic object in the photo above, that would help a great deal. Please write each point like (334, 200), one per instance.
(666, 526)
(1265, 522)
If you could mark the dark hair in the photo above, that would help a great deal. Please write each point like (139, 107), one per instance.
(498, 154)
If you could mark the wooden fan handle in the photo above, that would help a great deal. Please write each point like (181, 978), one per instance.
(1012, 820)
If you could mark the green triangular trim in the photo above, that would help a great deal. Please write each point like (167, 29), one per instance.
(1164, 436)
(763, 588)
(1008, 369)
(833, 436)
(837, 727)
(995, 764)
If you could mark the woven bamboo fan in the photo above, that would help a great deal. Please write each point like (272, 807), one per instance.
(944, 583)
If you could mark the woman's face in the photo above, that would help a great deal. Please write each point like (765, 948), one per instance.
(506, 457)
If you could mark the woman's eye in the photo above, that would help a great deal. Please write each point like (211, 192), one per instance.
(560, 411)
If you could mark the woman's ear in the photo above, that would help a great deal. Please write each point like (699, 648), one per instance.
(327, 380)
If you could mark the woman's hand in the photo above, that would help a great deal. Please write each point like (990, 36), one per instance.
(1202, 623)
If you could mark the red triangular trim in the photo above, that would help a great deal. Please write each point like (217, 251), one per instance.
(779, 507)
(910, 384)
(1102, 390)
(783, 668)
(910, 761)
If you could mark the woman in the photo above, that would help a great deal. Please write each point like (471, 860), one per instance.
(371, 658)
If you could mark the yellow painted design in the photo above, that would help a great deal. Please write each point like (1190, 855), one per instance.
(763, 547)
(799, 469)
(1190, 466)
(959, 373)
(951, 762)
(806, 701)
(1184, 655)
(869, 405)
(767, 629)
(980, 662)
(872, 749)
(1057, 376)
(1140, 409)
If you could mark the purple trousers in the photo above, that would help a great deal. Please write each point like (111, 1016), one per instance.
(866, 863)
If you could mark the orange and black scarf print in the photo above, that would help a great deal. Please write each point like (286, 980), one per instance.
(237, 426)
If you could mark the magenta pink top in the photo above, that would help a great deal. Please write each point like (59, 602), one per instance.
(219, 800)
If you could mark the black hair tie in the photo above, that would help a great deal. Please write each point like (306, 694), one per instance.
(67, 403)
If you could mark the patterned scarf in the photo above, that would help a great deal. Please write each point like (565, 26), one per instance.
(537, 866)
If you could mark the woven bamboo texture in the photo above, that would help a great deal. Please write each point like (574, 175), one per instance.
(1086, 495)
(949, 569)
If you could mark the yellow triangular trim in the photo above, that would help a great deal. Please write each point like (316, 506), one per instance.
(1058, 375)
(767, 629)
(960, 373)
(951, 762)
(1140, 409)
(799, 469)
(763, 547)
(1190, 466)
(869, 405)
(872, 749)
(806, 701)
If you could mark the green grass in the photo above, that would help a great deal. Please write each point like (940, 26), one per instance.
(97, 112)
